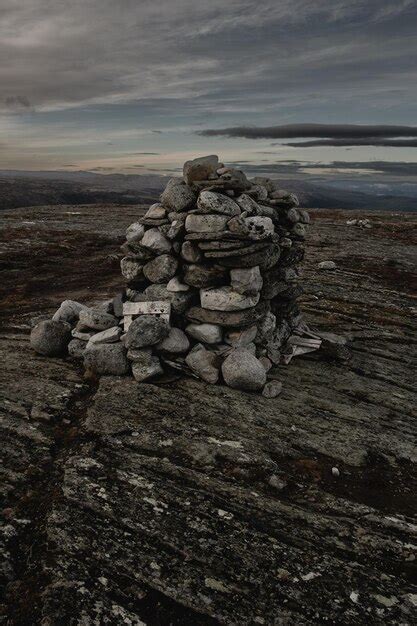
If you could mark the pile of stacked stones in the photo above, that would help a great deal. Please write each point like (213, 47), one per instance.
(212, 285)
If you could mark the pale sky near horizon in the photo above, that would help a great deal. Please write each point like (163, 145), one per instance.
(127, 86)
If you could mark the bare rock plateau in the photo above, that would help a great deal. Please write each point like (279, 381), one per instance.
(188, 503)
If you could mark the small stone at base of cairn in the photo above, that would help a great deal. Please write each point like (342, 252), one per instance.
(212, 285)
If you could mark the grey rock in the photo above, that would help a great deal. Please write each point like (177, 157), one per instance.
(241, 338)
(132, 268)
(69, 311)
(304, 216)
(293, 216)
(259, 192)
(50, 338)
(155, 241)
(247, 281)
(226, 299)
(238, 226)
(190, 252)
(247, 204)
(145, 365)
(260, 227)
(272, 389)
(83, 335)
(107, 358)
(118, 305)
(180, 301)
(76, 348)
(206, 333)
(229, 319)
(267, 363)
(204, 276)
(110, 335)
(250, 248)
(161, 269)
(266, 329)
(155, 212)
(176, 285)
(176, 342)
(204, 364)
(146, 330)
(205, 223)
(201, 168)
(242, 370)
(299, 230)
(211, 202)
(327, 265)
(135, 232)
(175, 230)
(178, 197)
(97, 320)
(266, 258)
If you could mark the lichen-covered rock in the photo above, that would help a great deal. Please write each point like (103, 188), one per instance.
(226, 299)
(110, 335)
(146, 330)
(50, 338)
(205, 223)
(247, 281)
(132, 268)
(154, 240)
(176, 342)
(242, 370)
(69, 311)
(135, 232)
(145, 365)
(161, 269)
(97, 319)
(106, 358)
(211, 202)
(178, 197)
(206, 333)
(76, 348)
(204, 364)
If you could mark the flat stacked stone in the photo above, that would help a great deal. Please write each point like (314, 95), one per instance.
(211, 284)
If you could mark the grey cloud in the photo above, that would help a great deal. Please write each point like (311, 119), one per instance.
(240, 55)
(17, 103)
(336, 131)
(377, 141)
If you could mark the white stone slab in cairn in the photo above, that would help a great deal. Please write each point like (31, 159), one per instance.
(131, 310)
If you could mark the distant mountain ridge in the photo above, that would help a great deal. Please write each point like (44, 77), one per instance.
(30, 188)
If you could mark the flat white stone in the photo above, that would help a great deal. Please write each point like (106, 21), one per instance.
(226, 299)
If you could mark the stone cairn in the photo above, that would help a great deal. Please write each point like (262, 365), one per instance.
(211, 274)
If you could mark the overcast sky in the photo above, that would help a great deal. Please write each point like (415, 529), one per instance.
(144, 84)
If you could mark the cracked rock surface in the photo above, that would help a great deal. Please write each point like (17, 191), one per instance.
(187, 503)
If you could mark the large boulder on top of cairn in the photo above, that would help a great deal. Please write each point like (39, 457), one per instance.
(211, 286)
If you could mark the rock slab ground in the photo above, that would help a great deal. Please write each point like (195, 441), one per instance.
(190, 503)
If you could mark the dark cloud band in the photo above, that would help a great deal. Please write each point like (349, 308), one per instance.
(325, 131)
(371, 141)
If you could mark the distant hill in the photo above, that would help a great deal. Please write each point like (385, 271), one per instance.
(18, 189)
